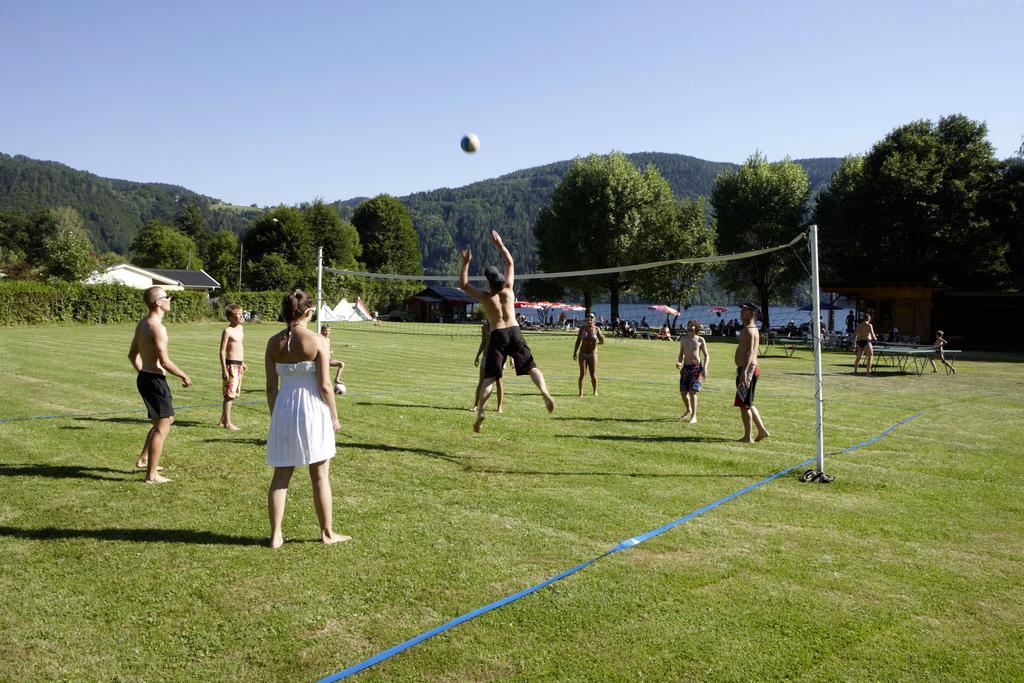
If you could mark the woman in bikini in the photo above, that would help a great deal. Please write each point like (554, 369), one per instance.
(585, 351)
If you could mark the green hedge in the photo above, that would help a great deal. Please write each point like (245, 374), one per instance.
(265, 305)
(36, 303)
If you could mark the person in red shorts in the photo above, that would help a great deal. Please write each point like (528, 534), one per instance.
(747, 373)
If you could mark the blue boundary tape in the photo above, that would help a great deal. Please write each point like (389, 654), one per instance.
(72, 416)
(624, 545)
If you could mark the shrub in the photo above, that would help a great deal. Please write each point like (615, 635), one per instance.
(36, 303)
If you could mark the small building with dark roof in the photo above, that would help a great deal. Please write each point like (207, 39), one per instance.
(195, 280)
(441, 305)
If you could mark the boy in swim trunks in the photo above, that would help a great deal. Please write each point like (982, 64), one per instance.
(693, 361)
(747, 373)
(148, 355)
(506, 338)
(232, 367)
(862, 339)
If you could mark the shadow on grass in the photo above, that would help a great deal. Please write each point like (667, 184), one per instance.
(617, 419)
(657, 439)
(143, 419)
(412, 405)
(387, 448)
(60, 472)
(133, 535)
(633, 475)
(251, 441)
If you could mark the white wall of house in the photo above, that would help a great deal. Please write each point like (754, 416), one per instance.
(133, 277)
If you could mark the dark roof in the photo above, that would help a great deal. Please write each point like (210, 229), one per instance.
(427, 298)
(188, 278)
(451, 294)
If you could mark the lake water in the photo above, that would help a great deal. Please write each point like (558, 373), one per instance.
(779, 315)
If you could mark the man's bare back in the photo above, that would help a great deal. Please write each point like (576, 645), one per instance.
(500, 308)
(498, 303)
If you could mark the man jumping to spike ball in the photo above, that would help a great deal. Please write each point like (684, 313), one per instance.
(506, 337)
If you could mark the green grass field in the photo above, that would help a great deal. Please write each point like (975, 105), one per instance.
(908, 567)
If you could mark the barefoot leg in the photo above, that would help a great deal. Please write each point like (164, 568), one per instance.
(319, 476)
(538, 378)
(277, 496)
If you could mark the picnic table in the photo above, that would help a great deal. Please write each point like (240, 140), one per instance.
(909, 357)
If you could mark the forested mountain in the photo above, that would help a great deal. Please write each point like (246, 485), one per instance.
(450, 219)
(445, 219)
(114, 210)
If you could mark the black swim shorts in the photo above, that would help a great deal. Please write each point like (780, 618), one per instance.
(504, 343)
(156, 394)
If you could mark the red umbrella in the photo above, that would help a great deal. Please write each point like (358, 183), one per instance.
(575, 308)
(662, 308)
(527, 304)
(718, 309)
(544, 304)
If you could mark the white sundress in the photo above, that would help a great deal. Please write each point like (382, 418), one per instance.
(301, 432)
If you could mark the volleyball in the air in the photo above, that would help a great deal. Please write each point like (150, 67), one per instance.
(470, 143)
(339, 389)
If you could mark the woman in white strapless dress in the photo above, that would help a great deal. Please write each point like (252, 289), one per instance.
(303, 416)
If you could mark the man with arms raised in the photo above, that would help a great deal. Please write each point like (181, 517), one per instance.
(747, 373)
(148, 355)
(506, 337)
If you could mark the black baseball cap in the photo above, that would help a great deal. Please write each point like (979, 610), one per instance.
(494, 278)
(750, 306)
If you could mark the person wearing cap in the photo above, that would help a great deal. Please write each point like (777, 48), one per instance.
(506, 337)
(747, 373)
(587, 340)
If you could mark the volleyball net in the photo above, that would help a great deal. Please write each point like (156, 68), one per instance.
(814, 331)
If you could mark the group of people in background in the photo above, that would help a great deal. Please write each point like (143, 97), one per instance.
(300, 391)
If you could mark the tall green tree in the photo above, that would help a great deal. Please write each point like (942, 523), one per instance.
(689, 236)
(912, 210)
(390, 245)
(282, 231)
(160, 245)
(342, 249)
(760, 205)
(222, 257)
(275, 272)
(191, 222)
(69, 255)
(339, 238)
(1005, 208)
(607, 213)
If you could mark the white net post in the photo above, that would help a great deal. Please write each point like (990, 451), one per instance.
(812, 239)
(319, 284)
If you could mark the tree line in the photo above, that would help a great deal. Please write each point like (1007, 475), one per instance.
(929, 203)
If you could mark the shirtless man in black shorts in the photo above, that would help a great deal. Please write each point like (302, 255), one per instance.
(506, 338)
(148, 355)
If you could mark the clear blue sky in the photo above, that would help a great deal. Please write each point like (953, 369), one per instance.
(282, 102)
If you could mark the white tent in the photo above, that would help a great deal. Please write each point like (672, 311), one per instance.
(345, 312)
